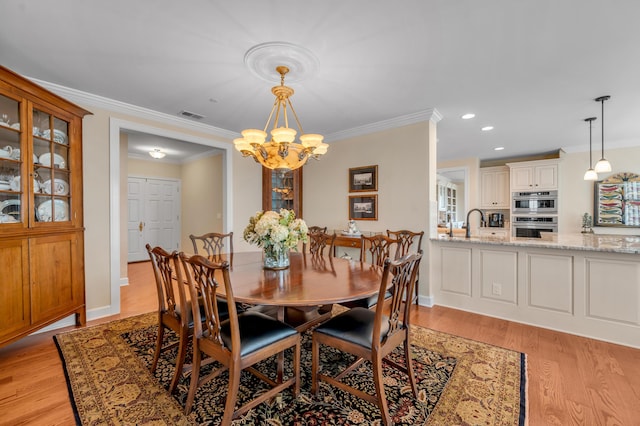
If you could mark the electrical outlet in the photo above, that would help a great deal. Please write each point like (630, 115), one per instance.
(496, 289)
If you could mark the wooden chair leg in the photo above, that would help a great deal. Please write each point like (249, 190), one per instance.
(232, 395)
(296, 368)
(195, 375)
(379, 386)
(315, 361)
(156, 355)
(407, 357)
(180, 359)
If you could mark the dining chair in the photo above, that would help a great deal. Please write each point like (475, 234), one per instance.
(236, 343)
(212, 245)
(318, 241)
(374, 250)
(371, 335)
(174, 311)
(316, 229)
(409, 242)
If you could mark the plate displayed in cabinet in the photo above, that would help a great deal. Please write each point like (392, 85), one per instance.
(60, 187)
(58, 161)
(45, 211)
(5, 206)
(58, 136)
(15, 184)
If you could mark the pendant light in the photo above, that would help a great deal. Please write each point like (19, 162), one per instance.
(590, 174)
(603, 165)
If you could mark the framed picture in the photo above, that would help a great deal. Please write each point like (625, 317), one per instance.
(363, 179)
(363, 207)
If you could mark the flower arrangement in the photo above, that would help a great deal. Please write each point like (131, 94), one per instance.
(276, 233)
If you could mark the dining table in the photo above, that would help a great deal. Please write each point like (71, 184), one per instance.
(302, 294)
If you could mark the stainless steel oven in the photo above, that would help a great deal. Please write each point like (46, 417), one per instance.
(532, 226)
(545, 202)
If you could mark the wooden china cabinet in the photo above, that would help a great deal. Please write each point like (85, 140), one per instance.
(41, 218)
(282, 190)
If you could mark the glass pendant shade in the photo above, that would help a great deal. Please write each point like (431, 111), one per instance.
(603, 166)
(590, 175)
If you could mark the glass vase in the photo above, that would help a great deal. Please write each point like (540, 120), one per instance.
(275, 259)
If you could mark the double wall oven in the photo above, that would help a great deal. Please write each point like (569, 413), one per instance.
(534, 213)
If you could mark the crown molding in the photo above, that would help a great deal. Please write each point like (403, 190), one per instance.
(90, 99)
(431, 114)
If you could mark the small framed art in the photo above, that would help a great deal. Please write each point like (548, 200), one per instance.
(363, 179)
(363, 207)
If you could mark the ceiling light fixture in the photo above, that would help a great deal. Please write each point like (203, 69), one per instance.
(487, 128)
(603, 165)
(468, 116)
(281, 152)
(157, 153)
(498, 148)
(590, 174)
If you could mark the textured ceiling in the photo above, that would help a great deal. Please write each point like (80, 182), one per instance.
(529, 68)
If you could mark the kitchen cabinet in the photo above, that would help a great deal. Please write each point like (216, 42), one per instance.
(494, 187)
(41, 216)
(534, 175)
(282, 189)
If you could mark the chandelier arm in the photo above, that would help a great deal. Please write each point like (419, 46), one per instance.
(295, 116)
(275, 104)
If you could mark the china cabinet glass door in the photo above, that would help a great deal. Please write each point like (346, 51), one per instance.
(52, 180)
(11, 167)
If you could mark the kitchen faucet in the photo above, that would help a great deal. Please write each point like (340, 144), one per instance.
(468, 233)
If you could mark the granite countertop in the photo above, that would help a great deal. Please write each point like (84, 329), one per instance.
(589, 242)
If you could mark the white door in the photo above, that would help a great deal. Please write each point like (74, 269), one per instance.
(154, 215)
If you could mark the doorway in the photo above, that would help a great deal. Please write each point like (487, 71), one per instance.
(153, 212)
(118, 257)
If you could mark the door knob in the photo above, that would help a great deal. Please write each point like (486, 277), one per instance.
(140, 226)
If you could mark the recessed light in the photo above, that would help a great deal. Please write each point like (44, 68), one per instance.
(468, 116)
(487, 128)
(498, 148)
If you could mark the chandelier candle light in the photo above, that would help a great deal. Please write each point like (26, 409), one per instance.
(282, 151)
(276, 233)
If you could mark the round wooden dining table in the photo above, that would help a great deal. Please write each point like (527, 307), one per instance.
(309, 282)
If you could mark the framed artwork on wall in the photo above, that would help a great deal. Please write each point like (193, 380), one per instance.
(363, 179)
(363, 207)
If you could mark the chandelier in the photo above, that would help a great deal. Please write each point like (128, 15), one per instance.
(282, 151)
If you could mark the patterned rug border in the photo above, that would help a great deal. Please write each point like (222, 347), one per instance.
(444, 343)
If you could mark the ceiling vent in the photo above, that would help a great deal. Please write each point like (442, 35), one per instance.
(192, 115)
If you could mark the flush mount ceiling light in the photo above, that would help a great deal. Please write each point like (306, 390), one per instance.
(157, 153)
(498, 148)
(590, 174)
(487, 128)
(603, 165)
(468, 116)
(282, 152)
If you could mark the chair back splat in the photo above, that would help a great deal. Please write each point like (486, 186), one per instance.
(238, 343)
(372, 335)
(409, 242)
(215, 246)
(377, 248)
(319, 241)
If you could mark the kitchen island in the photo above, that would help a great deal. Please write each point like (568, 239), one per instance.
(585, 284)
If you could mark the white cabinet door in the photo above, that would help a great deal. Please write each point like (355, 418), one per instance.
(546, 177)
(494, 188)
(522, 178)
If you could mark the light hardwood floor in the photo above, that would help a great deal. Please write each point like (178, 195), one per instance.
(571, 380)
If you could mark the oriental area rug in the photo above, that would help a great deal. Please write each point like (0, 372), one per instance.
(460, 382)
